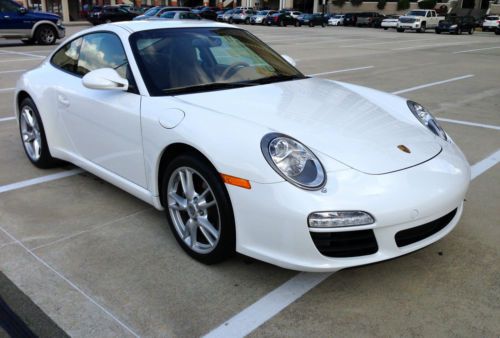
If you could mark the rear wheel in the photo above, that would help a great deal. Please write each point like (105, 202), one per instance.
(33, 136)
(459, 31)
(385, 28)
(247, 21)
(198, 209)
(400, 30)
(422, 28)
(46, 35)
(322, 24)
(471, 31)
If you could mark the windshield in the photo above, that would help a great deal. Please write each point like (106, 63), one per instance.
(416, 13)
(262, 12)
(491, 18)
(187, 60)
(152, 11)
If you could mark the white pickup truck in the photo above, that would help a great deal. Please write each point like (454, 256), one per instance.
(419, 20)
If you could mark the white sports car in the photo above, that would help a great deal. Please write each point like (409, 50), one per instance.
(242, 150)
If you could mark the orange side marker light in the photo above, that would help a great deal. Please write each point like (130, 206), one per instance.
(239, 182)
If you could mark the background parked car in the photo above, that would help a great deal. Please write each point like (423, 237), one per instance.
(311, 20)
(242, 15)
(390, 21)
(158, 11)
(491, 22)
(369, 19)
(350, 19)
(220, 14)
(208, 13)
(227, 15)
(176, 15)
(280, 19)
(149, 12)
(294, 14)
(110, 14)
(456, 25)
(336, 20)
(260, 17)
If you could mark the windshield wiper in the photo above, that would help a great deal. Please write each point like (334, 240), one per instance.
(278, 78)
(207, 87)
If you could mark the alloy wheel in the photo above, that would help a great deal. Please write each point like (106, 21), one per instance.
(194, 210)
(30, 133)
(47, 35)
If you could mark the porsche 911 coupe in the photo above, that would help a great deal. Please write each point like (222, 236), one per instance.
(242, 151)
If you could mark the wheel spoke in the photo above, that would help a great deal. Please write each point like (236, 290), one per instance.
(205, 205)
(207, 236)
(193, 232)
(180, 203)
(203, 194)
(187, 183)
(28, 118)
(205, 224)
(36, 148)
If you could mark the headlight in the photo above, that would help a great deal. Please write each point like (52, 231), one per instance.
(293, 161)
(453, 26)
(427, 119)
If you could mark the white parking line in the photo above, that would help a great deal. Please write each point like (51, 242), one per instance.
(431, 84)
(474, 50)
(271, 304)
(3, 119)
(392, 41)
(12, 71)
(438, 45)
(482, 166)
(21, 53)
(5, 90)
(467, 123)
(38, 180)
(341, 71)
(73, 285)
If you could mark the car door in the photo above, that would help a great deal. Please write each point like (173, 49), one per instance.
(12, 21)
(103, 125)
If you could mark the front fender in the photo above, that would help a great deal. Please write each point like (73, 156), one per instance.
(44, 22)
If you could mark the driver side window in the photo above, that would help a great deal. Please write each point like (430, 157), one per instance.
(7, 6)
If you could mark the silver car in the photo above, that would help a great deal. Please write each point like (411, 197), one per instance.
(227, 15)
(261, 16)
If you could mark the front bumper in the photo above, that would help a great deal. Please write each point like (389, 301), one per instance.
(389, 25)
(272, 218)
(414, 25)
(61, 31)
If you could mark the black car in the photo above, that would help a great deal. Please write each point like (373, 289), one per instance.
(110, 14)
(350, 19)
(209, 13)
(280, 19)
(456, 25)
(311, 20)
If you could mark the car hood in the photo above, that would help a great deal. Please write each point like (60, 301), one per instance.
(341, 121)
(43, 16)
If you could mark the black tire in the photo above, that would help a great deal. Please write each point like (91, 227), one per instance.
(226, 244)
(45, 161)
(297, 24)
(311, 24)
(400, 30)
(459, 31)
(471, 31)
(230, 20)
(323, 24)
(385, 28)
(247, 21)
(497, 32)
(422, 28)
(438, 31)
(46, 35)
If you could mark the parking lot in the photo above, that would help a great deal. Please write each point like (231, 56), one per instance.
(102, 263)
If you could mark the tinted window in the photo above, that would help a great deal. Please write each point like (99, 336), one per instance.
(102, 50)
(168, 15)
(8, 7)
(67, 57)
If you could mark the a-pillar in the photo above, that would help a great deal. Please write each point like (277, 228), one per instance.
(65, 10)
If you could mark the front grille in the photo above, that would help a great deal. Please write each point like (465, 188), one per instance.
(406, 20)
(345, 244)
(413, 235)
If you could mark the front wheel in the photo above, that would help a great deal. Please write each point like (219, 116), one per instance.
(247, 21)
(33, 136)
(46, 35)
(422, 28)
(471, 31)
(400, 30)
(198, 209)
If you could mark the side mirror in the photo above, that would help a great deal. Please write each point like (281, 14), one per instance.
(22, 10)
(105, 78)
(289, 59)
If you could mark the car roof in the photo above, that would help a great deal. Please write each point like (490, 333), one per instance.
(142, 25)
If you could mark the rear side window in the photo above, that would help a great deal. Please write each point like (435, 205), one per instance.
(67, 57)
(102, 50)
(7, 6)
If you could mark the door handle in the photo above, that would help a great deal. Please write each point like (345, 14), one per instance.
(62, 100)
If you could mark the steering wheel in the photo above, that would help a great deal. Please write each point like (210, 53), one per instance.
(233, 69)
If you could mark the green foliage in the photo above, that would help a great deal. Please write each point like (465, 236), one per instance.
(356, 3)
(339, 3)
(427, 4)
(403, 5)
(381, 4)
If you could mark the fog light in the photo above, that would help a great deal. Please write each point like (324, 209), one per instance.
(333, 219)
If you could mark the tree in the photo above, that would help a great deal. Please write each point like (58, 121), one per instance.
(403, 5)
(381, 4)
(339, 3)
(356, 3)
(427, 4)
